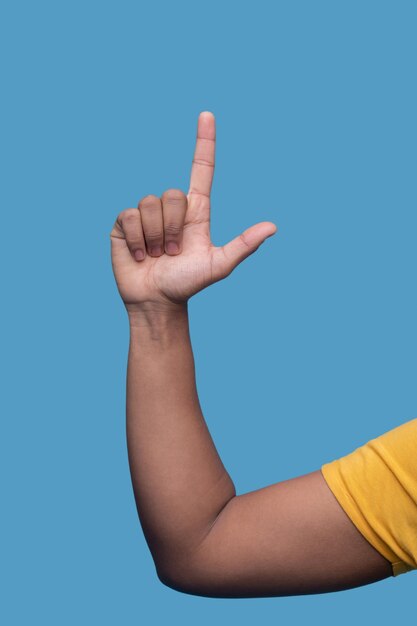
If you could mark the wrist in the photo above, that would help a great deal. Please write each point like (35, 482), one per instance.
(157, 321)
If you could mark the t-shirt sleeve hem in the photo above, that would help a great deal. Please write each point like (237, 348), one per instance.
(348, 505)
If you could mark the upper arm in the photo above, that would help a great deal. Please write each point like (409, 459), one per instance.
(289, 538)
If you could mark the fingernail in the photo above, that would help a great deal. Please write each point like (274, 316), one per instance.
(172, 247)
(139, 255)
(156, 250)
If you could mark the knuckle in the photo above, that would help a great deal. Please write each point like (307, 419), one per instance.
(245, 241)
(117, 229)
(154, 235)
(149, 201)
(201, 161)
(134, 242)
(129, 216)
(174, 230)
(174, 196)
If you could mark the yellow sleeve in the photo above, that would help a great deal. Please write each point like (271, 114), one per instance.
(376, 485)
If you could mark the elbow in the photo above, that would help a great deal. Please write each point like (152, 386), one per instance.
(189, 579)
(196, 583)
(164, 578)
(177, 580)
(198, 572)
(178, 568)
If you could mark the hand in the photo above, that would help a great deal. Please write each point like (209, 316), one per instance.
(149, 271)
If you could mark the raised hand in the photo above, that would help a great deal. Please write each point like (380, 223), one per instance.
(162, 252)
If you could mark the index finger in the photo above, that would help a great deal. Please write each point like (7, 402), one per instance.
(202, 168)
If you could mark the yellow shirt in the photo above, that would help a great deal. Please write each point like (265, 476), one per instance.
(376, 485)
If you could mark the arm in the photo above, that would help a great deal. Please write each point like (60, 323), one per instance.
(286, 539)
(179, 480)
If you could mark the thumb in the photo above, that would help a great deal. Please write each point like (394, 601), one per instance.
(227, 257)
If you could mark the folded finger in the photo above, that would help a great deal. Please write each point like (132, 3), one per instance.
(174, 208)
(130, 225)
(150, 208)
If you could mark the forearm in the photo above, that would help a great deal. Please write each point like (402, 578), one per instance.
(179, 481)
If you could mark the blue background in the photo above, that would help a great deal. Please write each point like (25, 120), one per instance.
(305, 352)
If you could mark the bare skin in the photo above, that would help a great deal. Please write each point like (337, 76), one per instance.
(289, 538)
